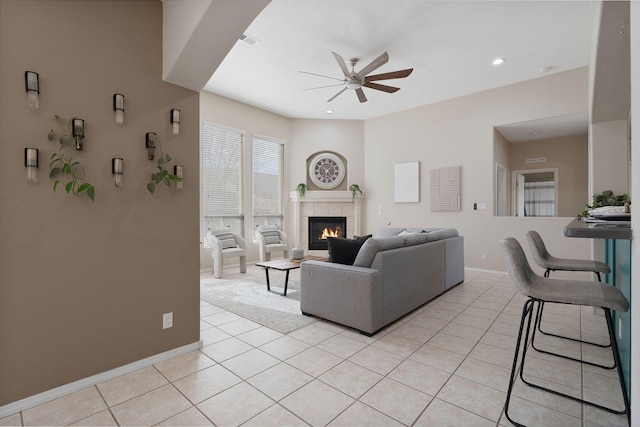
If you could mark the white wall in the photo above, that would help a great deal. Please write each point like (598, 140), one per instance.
(635, 217)
(302, 139)
(459, 132)
(229, 113)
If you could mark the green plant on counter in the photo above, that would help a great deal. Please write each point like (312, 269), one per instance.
(66, 167)
(355, 190)
(163, 175)
(301, 189)
(606, 198)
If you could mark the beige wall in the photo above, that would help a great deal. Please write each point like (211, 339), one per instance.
(460, 132)
(83, 285)
(570, 156)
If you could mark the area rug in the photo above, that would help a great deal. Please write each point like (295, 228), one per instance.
(246, 295)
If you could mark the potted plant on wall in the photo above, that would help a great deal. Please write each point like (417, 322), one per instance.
(65, 166)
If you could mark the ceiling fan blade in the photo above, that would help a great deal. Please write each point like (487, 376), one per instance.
(342, 64)
(336, 95)
(378, 62)
(391, 75)
(320, 75)
(384, 88)
(322, 87)
(361, 95)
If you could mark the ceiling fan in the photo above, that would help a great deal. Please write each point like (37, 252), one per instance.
(357, 80)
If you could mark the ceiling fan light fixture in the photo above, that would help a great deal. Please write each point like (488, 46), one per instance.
(352, 84)
(498, 61)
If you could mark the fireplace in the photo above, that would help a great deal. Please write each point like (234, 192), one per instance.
(321, 227)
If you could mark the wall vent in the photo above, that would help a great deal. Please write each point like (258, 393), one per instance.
(248, 39)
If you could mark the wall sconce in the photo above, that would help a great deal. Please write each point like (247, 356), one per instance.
(117, 169)
(151, 140)
(77, 130)
(118, 107)
(175, 120)
(31, 163)
(178, 170)
(32, 86)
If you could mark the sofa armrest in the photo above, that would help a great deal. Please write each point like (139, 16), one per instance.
(345, 294)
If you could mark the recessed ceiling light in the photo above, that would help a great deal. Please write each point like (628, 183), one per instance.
(329, 111)
(534, 132)
(547, 69)
(498, 61)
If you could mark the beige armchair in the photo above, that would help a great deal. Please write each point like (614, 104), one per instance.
(271, 239)
(226, 244)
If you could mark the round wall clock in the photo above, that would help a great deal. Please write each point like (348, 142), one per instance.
(326, 170)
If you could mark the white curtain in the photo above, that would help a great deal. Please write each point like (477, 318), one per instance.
(539, 198)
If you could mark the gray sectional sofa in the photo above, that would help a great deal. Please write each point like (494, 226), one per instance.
(395, 272)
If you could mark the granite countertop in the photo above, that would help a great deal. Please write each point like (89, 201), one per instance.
(598, 230)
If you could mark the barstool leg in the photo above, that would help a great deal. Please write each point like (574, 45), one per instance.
(527, 311)
(536, 326)
(616, 356)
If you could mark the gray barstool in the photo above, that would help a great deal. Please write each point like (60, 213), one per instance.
(550, 263)
(577, 292)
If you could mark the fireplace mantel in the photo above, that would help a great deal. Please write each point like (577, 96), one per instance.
(324, 203)
(324, 196)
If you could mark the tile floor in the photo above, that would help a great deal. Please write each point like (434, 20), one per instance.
(446, 364)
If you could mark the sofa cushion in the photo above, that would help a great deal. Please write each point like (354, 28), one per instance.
(371, 247)
(415, 239)
(225, 236)
(343, 250)
(270, 233)
(441, 233)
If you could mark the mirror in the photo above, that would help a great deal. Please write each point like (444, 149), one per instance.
(549, 158)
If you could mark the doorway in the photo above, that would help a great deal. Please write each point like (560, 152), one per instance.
(535, 192)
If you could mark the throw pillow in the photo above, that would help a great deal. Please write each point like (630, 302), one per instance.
(343, 250)
(270, 234)
(225, 235)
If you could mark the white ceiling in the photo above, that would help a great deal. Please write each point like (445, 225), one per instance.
(449, 44)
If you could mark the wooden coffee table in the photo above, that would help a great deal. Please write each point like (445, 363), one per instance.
(285, 265)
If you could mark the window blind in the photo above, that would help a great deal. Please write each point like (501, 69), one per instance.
(268, 159)
(222, 177)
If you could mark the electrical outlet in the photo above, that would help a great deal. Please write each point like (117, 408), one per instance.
(484, 256)
(167, 320)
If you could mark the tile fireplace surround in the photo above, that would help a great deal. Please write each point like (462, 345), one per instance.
(323, 203)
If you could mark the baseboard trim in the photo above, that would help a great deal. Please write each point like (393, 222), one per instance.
(483, 270)
(55, 393)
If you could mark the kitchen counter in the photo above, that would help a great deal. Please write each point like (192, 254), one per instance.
(599, 230)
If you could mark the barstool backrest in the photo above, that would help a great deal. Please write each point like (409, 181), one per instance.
(538, 249)
(517, 264)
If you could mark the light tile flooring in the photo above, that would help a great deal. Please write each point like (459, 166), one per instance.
(446, 364)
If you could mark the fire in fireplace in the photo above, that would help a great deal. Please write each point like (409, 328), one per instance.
(321, 227)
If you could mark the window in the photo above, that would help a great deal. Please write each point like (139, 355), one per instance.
(222, 178)
(268, 159)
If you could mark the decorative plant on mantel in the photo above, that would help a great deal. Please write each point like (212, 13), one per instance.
(163, 175)
(66, 167)
(301, 189)
(355, 190)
